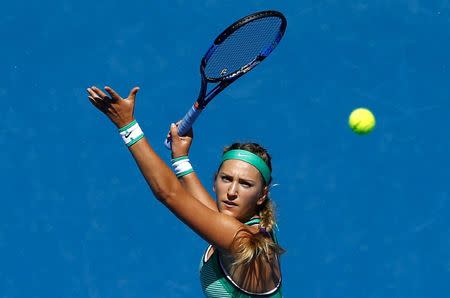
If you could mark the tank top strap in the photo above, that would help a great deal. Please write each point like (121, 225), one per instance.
(253, 221)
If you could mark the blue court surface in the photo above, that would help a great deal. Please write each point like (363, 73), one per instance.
(359, 216)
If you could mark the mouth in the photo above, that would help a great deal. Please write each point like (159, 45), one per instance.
(229, 203)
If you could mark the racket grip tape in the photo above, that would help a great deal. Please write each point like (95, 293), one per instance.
(185, 124)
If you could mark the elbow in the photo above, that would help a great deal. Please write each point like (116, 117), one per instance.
(167, 194)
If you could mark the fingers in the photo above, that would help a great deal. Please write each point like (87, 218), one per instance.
(99, 99)
(98, 103)
(99, 95)
(92, 93)
(99, 92)
(95, 98)
(114, 95)
(189, 133)
(94, 102)
(179, 144)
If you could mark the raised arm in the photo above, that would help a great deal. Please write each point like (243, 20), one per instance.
(215, 227)
(191, 183)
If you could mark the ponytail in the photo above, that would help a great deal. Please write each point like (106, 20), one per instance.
(253, 252)
(248, 247)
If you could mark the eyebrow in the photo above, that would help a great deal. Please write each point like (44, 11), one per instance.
(240, 178)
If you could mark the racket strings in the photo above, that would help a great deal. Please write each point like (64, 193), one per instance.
(243, 46)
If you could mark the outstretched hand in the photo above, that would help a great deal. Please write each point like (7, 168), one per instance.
(119, 110)
(180, 144)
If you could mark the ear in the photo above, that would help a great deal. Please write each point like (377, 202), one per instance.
(214, 182)
(263, 197)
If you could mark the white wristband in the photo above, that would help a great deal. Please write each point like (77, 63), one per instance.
(182, 166)
(131, 133)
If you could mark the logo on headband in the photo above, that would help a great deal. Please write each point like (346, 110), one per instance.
(250, 158)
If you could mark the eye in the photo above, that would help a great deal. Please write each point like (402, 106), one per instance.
(225, 178)
(246, 184)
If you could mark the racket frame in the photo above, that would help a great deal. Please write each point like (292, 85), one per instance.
(205, 97)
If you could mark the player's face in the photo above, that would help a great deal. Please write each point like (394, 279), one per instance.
(239, 189)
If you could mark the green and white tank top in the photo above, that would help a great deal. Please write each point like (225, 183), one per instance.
(216, 282)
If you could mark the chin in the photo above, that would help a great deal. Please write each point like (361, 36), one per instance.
(227, 212)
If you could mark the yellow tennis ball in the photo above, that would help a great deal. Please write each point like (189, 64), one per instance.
(361, 121)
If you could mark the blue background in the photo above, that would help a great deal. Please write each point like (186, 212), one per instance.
(359, 216)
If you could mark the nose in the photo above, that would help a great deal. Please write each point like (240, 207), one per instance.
(232, 191)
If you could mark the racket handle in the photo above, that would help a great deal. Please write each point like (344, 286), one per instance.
(185, 124)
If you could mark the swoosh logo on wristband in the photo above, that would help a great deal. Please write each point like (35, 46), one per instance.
(127, 134)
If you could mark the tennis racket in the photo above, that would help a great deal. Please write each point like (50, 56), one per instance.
(236, 51)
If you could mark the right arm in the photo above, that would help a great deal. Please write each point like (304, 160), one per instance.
(191, 183)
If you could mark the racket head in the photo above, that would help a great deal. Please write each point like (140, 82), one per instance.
(242, 46)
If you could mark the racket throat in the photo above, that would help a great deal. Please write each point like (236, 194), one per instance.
(198, 106)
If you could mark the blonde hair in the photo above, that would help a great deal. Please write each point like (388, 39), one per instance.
(250, 251)
(248, 246)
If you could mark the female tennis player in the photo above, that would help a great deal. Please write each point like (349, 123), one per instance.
(242, 259)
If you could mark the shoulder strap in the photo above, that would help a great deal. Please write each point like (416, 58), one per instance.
(253, 221)
(257, 220)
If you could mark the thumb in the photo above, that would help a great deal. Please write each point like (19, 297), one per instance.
(133, 92)
(174, 131)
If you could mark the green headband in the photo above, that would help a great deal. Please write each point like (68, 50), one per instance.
(250, 158)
